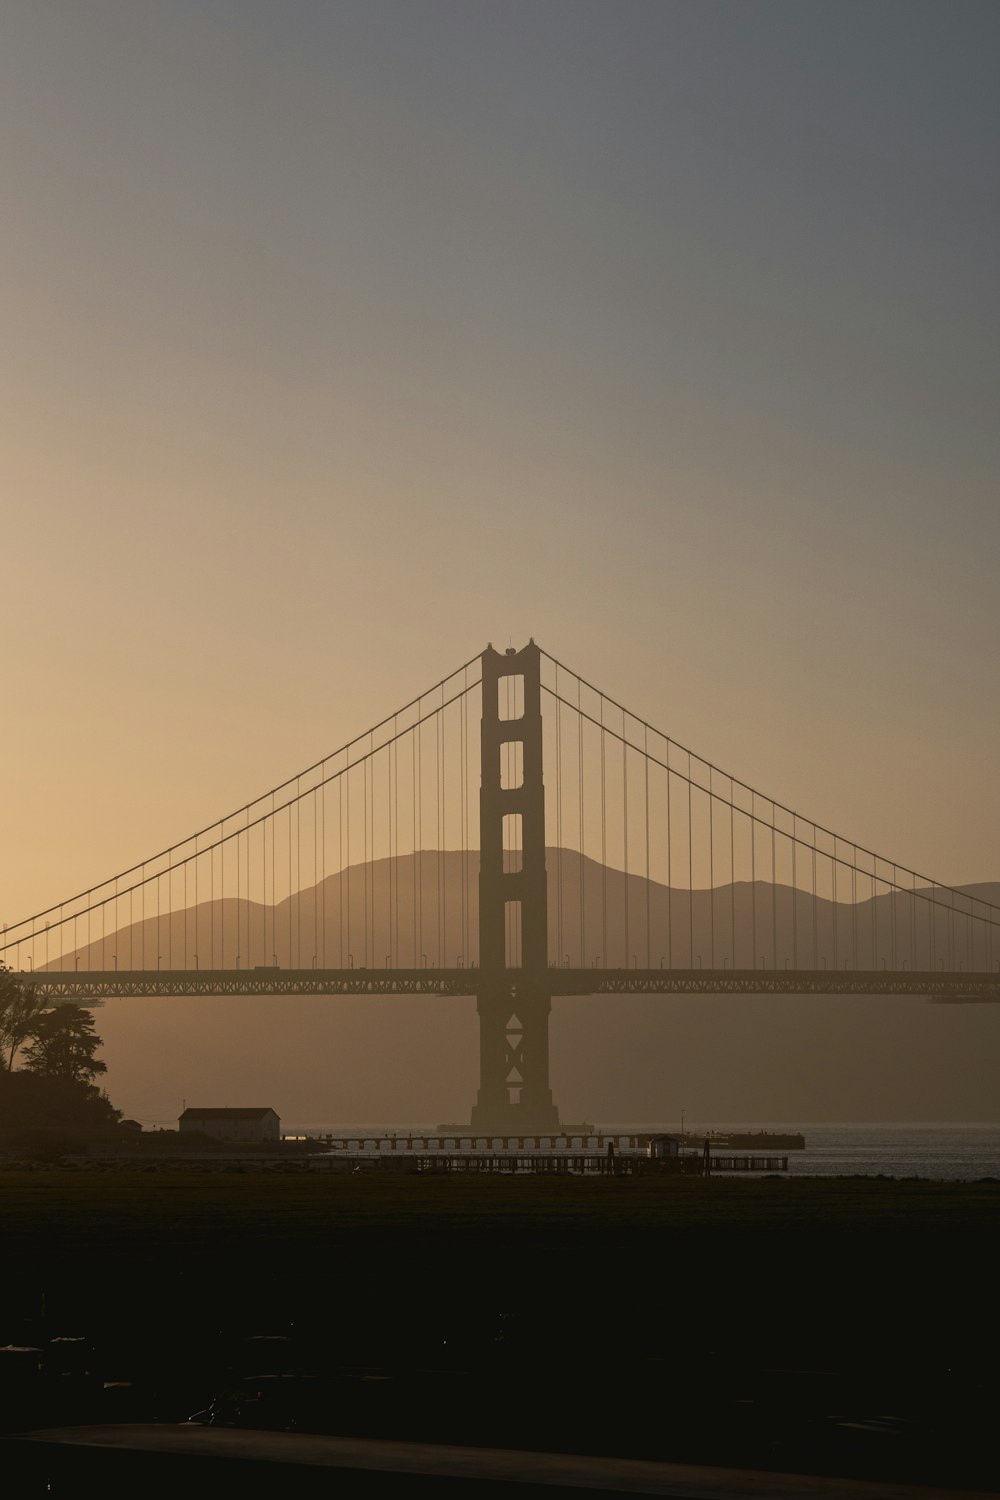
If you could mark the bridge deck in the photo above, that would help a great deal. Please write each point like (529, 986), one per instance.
(942, 987)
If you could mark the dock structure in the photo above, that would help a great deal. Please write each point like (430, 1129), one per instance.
(588, 1163)
(471, 1141)
(569, 1138)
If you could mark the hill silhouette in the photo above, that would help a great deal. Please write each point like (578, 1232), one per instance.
(416, 911)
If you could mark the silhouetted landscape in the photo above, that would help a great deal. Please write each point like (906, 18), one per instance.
(367, 912)
(500, 533)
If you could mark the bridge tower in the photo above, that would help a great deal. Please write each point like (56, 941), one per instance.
(514, 997)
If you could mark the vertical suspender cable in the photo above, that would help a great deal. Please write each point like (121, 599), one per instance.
(833, 885)
(649, 936)
(444, 832)
(732, 872)
(753, 877)
(670, 874)
(239, 910)
(413, 818)
(298, 875)
(604, 852)
(628, 945)
(443, 838)
(248, 888)
(559, 837)
(774, 888)
(395, 801)
(249, 901)
(795, 893)
(583, 875)
(854, 907)
(874, 912)
(323, 869)
(347, 852)
(690, 873)
(367, 791)
(814, 902)
(711, 869)
(340, 864)
(463, 735)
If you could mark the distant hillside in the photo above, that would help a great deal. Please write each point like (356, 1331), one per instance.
(423, 909)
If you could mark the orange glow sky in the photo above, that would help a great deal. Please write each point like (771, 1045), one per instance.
(339, 340)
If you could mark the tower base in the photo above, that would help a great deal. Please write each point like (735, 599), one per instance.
(515, 1119)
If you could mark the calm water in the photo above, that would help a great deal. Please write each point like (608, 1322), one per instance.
(945, 1152)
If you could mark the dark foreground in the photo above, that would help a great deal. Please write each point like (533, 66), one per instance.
(842, 1327)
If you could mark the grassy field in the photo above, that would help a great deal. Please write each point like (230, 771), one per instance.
(853, 1251)
(770, 1322)
(150, 1208)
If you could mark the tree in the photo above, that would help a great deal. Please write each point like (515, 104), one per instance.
(32, 1101)
(63, 1044)
(20, 1008)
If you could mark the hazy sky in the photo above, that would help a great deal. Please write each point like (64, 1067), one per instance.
(340, 338)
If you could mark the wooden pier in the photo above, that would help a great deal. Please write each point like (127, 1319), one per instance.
(543, 1163)
(590, 1141)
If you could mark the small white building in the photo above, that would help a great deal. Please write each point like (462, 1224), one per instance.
(233, 1124)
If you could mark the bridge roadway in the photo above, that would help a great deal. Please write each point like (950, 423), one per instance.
(941, 987)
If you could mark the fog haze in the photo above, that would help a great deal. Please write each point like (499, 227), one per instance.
(414, 1059)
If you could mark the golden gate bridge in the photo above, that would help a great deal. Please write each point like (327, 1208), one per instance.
(516, 834)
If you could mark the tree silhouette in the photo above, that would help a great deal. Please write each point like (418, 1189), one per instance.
(20, 1008)
(63, 1044)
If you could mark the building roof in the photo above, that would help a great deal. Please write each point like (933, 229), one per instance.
(228, 1114)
